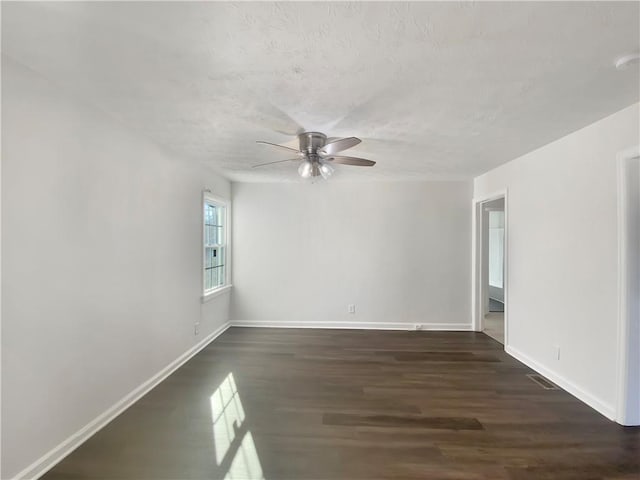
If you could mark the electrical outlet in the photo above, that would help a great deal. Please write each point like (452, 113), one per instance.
(196, 328)
(556, 349)
(351, 308)
(418, 326)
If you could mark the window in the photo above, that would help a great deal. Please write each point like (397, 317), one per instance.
(215, 247)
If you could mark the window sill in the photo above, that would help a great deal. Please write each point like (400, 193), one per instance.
(215, 293)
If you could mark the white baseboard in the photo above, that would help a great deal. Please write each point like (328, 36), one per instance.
(352, 325)
(55, 455)
(582, 395)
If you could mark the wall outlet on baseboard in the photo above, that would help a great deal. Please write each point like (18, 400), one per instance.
(418, 326)
(351, 308)
(196, 328)
(556, 351)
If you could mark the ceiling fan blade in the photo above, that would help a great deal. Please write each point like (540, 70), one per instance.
(339, 145)
(277, 161)
(279, 146)
(359, 162)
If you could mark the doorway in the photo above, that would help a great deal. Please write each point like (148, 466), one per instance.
(490, 260)
(493, 324)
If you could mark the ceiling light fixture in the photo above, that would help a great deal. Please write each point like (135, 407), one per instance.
(314, 167)
(318, 154)
(326, 170)
(628, 60)
(306, 169)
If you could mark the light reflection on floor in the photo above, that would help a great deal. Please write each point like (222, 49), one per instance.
(233, 441)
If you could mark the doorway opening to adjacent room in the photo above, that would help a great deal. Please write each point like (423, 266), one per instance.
(489, 266)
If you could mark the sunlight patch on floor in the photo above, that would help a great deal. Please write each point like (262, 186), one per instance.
(233, 441)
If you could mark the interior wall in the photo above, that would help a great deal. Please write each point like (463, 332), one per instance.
(398, 251)
(562, 266)
(101, 274)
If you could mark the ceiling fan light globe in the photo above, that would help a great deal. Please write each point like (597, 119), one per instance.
(326, 170)
(305, 169)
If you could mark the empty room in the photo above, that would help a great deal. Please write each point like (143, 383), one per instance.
(320, 240)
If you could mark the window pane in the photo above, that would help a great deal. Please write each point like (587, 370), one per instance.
(214, 251)
(214, 267)
(221, 266)
(208, 279)
(209, 214)
(220, 216)
(208, 264)
(213, 224)
(219, 276)
(212, 235)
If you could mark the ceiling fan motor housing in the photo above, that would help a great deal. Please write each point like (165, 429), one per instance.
(311, 142)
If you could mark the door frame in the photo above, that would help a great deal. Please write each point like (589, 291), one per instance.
(628, 324)
(478, 267)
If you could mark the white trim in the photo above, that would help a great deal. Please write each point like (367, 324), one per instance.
(474, 268)
(505, 266)
(476, 259)
(207, 195)
(56, 454)
(627, 369)
(466, 327)
(215, 293)
(490, 197)
(602, 407)
(59, 452)
(1, 356)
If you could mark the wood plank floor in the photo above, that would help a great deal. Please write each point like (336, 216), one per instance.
(342, 404)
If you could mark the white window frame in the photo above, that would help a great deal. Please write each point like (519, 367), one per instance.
(208, 198)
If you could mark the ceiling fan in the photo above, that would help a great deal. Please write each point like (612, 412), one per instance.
(317, 154)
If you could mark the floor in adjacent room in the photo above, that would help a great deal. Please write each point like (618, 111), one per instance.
(494, 326)
(345, 404)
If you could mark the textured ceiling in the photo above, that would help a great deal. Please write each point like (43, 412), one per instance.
(435, 90)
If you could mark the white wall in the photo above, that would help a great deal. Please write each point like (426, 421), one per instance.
(399, 251)
(101, 254)
(562, 248)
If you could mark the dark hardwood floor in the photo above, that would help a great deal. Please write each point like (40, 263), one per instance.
(329, 404)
